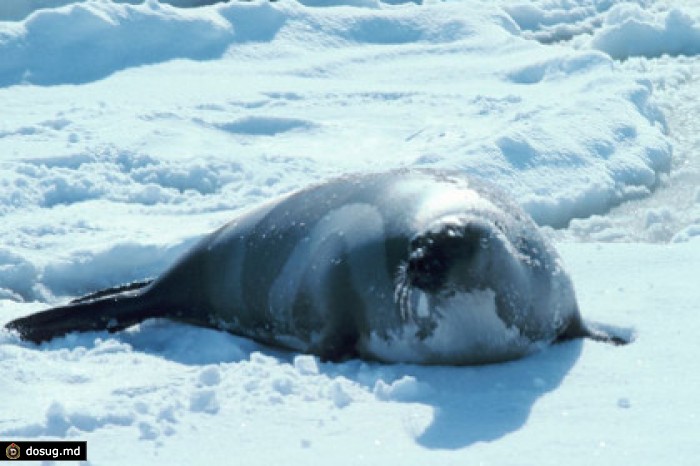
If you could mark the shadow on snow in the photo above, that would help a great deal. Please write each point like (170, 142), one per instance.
(470, 404)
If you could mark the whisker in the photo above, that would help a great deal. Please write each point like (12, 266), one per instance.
(402, 291)
(406, 303)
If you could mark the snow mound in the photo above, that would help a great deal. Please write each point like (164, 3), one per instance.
(630, 31)
(556, 20)
(406, 389)
(689, 233)
(100, 38)
(18, 276)
(620, 28)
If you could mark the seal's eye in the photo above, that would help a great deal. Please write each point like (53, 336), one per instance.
(450, 232)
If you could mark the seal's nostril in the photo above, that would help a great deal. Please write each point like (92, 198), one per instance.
(427, 273)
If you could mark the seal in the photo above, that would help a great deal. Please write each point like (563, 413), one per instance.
(416, 266)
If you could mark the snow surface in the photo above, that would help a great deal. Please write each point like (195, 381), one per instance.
(130, 130)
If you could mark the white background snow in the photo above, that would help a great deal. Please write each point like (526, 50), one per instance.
(127, 131)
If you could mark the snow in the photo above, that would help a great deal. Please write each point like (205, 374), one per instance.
(129, 130)
(672, 32)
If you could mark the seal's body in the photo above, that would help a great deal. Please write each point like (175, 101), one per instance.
(418, 266)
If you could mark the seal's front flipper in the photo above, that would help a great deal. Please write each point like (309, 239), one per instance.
(608, 334)
(596, 332)
(112, 311)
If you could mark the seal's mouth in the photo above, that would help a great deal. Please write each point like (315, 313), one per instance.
(415, 303)
(419, 306)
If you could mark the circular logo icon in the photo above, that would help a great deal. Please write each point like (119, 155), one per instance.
(12, 451)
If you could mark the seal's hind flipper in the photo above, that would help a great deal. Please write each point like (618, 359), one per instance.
(109, 310)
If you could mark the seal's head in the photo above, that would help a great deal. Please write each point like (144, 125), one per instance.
(456, 254)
